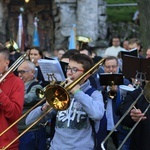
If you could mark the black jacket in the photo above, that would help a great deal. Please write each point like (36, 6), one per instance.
(141, 135)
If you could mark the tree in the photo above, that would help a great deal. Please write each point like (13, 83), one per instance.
(144, 16)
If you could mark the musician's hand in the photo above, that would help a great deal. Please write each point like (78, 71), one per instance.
(45, 107)
(75, 88)
(114, 88)
(136, 114)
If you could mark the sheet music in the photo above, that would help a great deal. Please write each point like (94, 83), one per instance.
(51, 67)
(133, 52)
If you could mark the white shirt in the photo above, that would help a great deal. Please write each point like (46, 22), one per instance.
(109, 115)
(113, 51)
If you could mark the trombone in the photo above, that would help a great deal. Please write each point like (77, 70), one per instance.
(58, 98)
(146, 94)
(13, 67)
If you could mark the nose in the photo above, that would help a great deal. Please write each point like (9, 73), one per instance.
(69, 73)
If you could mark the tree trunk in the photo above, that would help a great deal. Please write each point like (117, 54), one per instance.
(144, 15)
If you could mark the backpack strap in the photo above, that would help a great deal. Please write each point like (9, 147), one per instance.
(32, 84)
(89, 92)
(102, 132)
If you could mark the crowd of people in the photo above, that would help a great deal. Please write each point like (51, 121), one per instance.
(90, 100)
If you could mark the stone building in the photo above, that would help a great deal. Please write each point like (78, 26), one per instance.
(56, 18)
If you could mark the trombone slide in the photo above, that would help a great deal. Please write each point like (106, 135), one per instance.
(118, 123)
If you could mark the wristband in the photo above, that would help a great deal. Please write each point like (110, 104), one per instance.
(76, 91)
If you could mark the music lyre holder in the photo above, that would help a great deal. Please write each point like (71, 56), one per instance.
(109, 79)
(139, 78)
(51, 78)
(51, 69)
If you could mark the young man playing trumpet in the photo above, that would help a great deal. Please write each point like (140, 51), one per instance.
(73, 129)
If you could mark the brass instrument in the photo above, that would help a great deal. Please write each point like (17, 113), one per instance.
(111, 92)
(83, 41)
(12, 46)
(13, 67)
(146, 94)
(111, 80)
(57, 96)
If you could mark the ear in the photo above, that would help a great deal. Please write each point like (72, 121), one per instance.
(7, 62)
(33, 71)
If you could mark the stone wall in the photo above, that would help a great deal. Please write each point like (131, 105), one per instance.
(89, 17)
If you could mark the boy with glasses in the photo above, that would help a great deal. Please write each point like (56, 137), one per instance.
(73, 129)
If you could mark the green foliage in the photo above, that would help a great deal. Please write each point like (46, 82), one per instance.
(120, 1)
(120, 14)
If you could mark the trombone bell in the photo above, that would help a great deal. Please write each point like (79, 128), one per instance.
(57, 97)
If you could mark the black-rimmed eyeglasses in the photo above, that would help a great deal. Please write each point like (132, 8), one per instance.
(73, 70)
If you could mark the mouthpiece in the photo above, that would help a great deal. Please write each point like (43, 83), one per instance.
(32, 60)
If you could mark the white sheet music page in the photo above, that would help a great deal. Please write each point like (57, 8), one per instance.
(51, 67)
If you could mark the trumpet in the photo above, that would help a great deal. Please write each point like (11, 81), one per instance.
(111, 91)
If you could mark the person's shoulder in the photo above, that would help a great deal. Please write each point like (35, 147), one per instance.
(108, 48)
(135, 93)
(16, 80)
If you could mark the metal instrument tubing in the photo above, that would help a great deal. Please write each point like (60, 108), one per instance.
(132, 129)
(22, 116)
(13, 66)
(54, 102)
(5, 148)
(120, 120)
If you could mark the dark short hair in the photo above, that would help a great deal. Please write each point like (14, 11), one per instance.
(135, 40)
(38, 49)
(83, 59)
(110, 58)
(88, 50)
(69, 53)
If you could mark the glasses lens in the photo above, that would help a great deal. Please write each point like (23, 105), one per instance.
(113, 66)
(74, 70)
